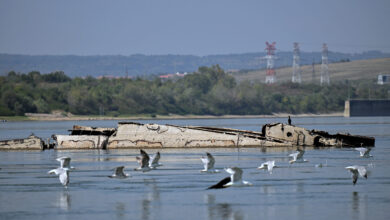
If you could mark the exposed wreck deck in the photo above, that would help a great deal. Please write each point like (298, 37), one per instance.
(137, 135)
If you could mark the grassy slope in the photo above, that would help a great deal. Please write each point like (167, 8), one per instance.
(362, 69)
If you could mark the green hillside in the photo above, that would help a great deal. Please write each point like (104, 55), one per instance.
(354, 70)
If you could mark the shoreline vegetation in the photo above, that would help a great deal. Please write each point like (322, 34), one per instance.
(70, 117)
(208, 93)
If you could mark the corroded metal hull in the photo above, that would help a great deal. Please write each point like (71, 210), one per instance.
(30, 143)
(303, 137)
(136, 135)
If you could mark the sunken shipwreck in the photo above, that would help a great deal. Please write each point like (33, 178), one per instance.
(136, 135)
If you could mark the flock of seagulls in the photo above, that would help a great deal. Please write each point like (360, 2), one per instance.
(147, 163)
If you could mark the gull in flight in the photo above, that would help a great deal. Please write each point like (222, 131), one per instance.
(63, 174)
(65, 162)
(297, 157)
(208, 163)
(356, 171)
(153, 162)
(364, 152)
(118, 173)
(143, 161)
(269, 165)
(235, 179)
(63, 170)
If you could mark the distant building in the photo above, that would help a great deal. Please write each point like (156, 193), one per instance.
(113, 77)
(383, 79)
(172, 75)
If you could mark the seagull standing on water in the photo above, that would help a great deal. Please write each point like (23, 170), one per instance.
(297, 157)
(269, 165)
(208, 163)
(364, 152)
(356, 171)
(118, 173)
(235, 179)
(143, 161)
(153, 162)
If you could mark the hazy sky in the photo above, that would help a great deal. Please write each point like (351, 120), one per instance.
(198, 27)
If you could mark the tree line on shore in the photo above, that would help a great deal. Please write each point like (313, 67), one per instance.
(208, 91)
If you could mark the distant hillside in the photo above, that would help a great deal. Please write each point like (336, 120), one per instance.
(140, 65)
(360, 69)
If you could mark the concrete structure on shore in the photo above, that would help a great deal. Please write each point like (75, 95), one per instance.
(367, 108)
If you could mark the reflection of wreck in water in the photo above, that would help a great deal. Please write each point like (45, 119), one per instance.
(137, 135)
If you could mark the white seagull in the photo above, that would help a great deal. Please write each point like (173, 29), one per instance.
(65, 162)
(143, 161)
(269, 165)
(63, 174)
(297, 157)
(364, 152)
(356, 171)
(208, 163)
(153, 162)
(118, 173)
(235, 179)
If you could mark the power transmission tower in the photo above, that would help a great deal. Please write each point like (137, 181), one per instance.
(296, 76)
(324, 66)
(270, 74)
(313, 72)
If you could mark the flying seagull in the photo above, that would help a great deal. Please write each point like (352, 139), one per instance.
(118, 173)
(269, 165)
(297, 157)
(235, 179)
(63, 170)
(153, 162)
(65, 162)
(63, 174)
(356, 171)
(364, 152)
(143, 161)
(208, 163)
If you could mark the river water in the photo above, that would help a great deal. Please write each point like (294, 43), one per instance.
(177, 190)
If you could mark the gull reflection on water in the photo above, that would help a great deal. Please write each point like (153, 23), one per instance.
(359, 205)
(64, 200)
(120, 210)
(221, 210)
(151, 200)
(355, 201)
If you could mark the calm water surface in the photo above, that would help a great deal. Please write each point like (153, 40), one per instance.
(177, 189)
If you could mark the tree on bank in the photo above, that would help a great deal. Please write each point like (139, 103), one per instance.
(208, 91)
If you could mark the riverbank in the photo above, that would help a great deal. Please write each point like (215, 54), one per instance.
(56, 117)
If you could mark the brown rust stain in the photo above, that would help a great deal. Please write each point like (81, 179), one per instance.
(143, 143)
(74, 144)
(213, 142)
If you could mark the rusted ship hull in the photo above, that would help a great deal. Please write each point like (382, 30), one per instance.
(30, 143)
(136, 135)
(304, 137)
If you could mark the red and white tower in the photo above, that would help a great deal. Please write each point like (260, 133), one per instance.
(324, 66)
(270, 74)
(296, 76)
